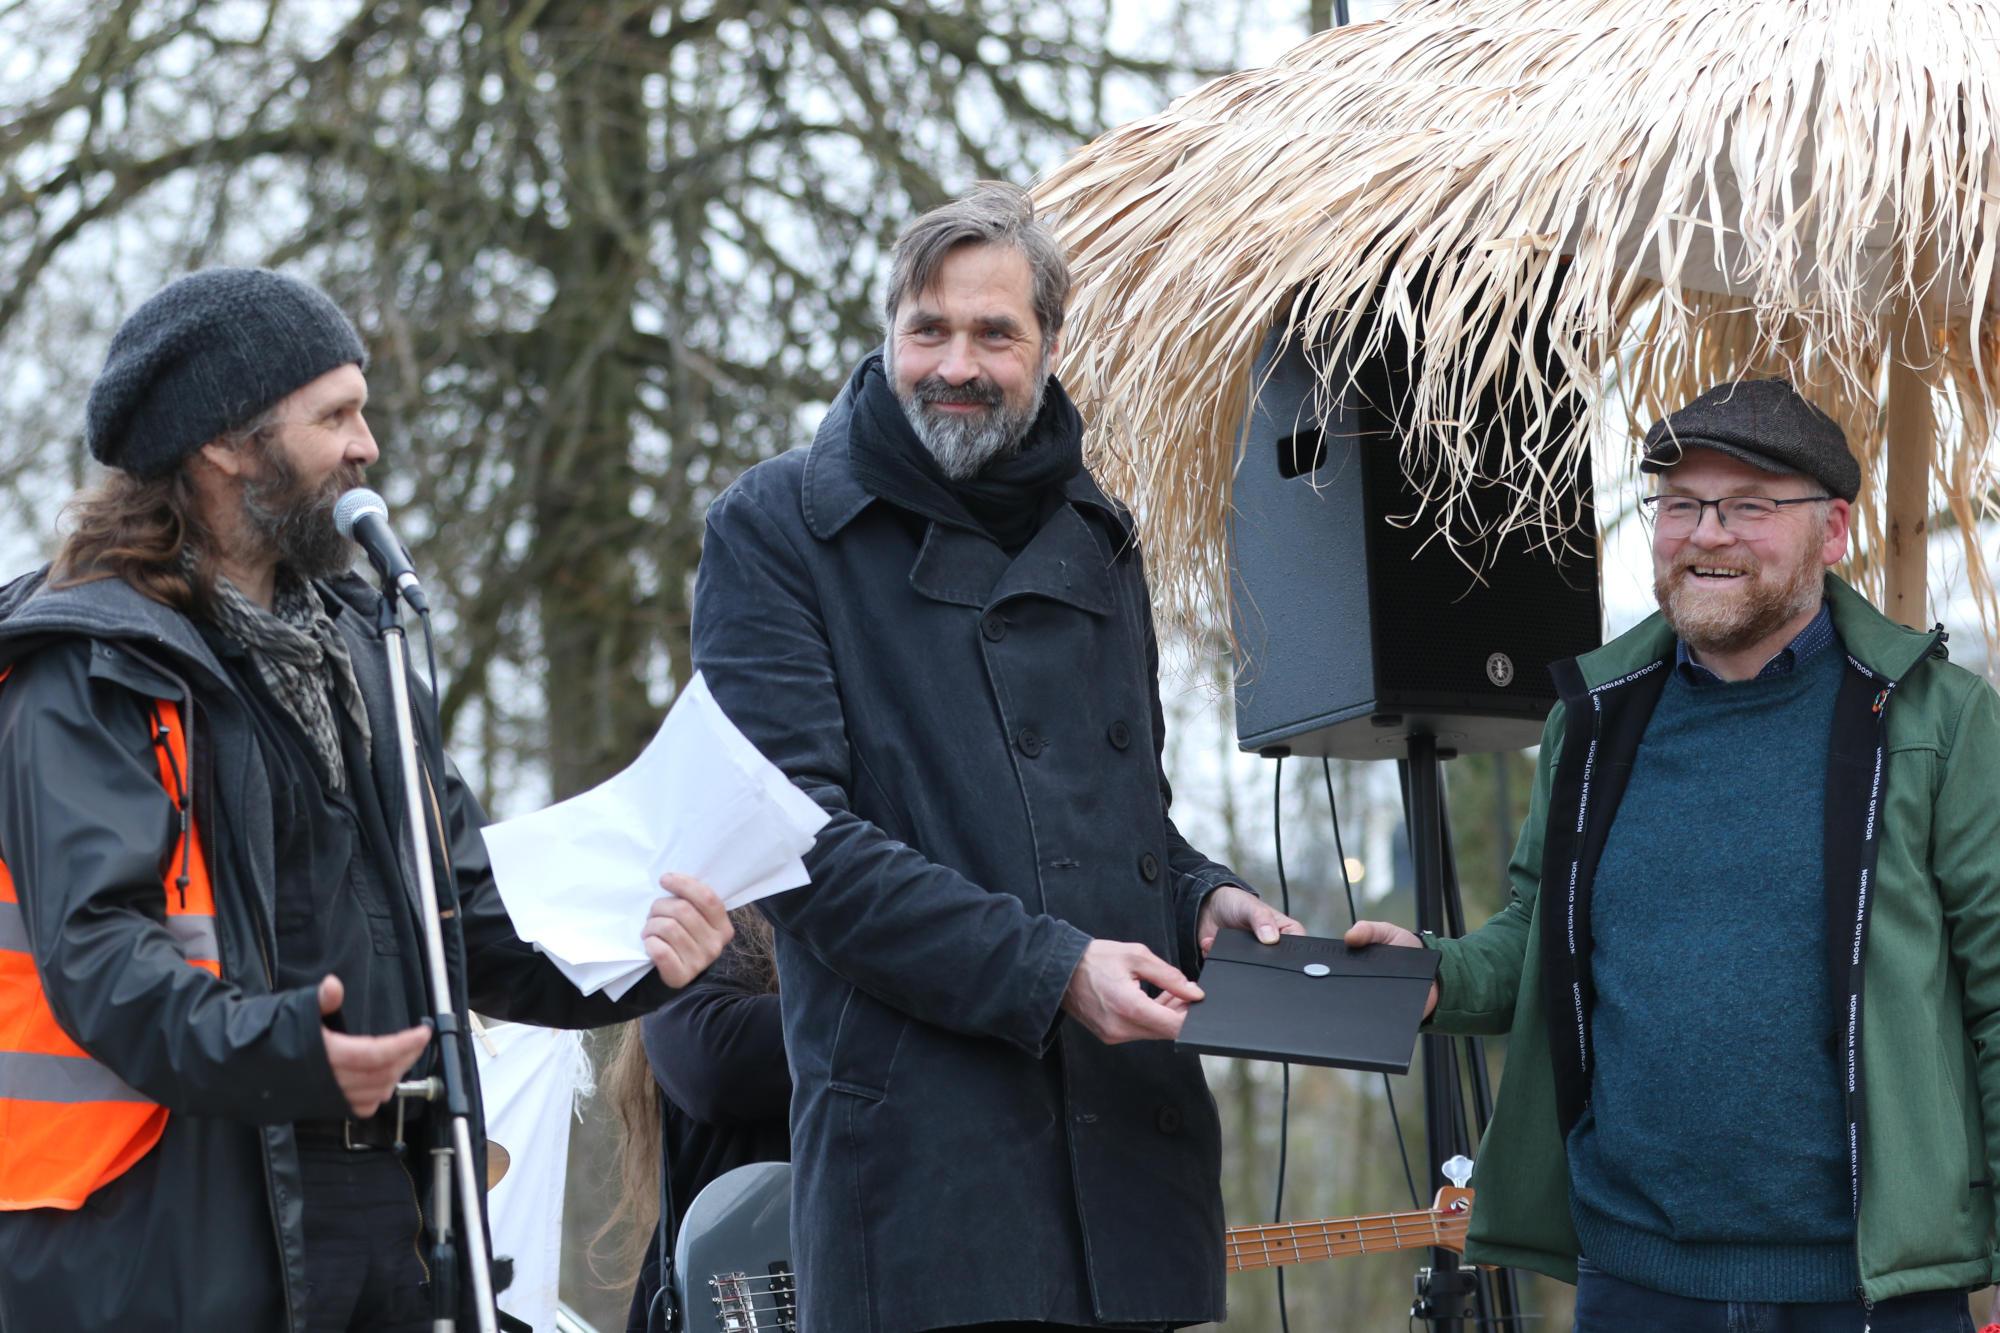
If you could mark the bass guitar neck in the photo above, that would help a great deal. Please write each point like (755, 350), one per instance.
(734, 1267)
(1280, 1244)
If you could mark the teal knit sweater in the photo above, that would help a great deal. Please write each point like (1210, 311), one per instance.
(1710, 1162)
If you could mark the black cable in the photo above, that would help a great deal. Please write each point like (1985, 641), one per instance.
(1285, 1098)
(663, 1299)
(430, 741)
(1339, 850)
(1388, 1091)
(431, 665)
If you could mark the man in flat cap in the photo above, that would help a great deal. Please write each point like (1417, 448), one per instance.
(1750, 971)
(210, 961)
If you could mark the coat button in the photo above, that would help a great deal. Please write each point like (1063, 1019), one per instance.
(1119, 735)
(994, 626)
(1030, 742)
(1149, 866)
(1168, 1119)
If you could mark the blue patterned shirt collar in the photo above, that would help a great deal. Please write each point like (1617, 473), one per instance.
(1816, 637)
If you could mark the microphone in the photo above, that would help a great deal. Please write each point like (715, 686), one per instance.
(362, 516)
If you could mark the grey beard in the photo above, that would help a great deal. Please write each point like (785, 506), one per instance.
(964, 445)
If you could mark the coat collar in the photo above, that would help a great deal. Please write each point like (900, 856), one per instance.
(112, 611)
(832, 496)
(107, 610)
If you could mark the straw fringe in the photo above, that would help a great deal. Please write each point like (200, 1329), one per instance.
(1597, 168)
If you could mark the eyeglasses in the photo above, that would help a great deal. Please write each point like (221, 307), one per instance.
(1744, 515)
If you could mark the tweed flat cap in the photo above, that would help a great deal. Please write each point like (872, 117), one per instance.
(1766, 424)
(203, 356)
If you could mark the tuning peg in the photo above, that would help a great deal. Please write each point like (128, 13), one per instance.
(1457, 1170)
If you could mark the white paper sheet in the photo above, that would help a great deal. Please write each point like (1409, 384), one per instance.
(579, 876)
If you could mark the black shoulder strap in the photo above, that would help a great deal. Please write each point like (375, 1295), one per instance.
(1601, 731)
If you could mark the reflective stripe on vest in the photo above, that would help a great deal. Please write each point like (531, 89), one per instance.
(68, 1125)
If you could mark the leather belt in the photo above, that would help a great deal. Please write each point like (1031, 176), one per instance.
(373, 1134)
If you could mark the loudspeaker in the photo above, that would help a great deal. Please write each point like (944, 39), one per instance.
(1355, 631)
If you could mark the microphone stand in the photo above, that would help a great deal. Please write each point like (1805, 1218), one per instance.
(451, 1156)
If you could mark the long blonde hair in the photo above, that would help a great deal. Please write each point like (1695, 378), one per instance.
(635, 1097)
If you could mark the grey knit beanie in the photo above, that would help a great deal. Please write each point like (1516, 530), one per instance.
(203, 356)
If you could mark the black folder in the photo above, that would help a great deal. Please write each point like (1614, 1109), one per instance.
(1311, 1001)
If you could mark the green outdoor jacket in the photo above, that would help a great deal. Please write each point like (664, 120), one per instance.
(1913, 891)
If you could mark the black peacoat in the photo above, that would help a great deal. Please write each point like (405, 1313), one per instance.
(986, 731)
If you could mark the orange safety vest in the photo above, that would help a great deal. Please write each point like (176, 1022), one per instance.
(68, 1125)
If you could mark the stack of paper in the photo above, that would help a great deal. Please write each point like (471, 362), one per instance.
(579, 877)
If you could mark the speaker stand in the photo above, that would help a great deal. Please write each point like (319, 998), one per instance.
(1449, 1295)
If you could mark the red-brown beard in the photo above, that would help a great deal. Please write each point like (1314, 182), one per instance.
(1731, 618)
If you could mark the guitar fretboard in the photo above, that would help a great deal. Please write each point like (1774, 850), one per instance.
(1284, 1243)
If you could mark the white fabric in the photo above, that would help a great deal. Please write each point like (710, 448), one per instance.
(579, 877)
(531, 1078)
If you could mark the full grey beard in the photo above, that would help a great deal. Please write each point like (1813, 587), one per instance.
(1718, 621)
(964, 445)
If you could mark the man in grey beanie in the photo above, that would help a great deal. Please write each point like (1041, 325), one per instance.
(210, 957)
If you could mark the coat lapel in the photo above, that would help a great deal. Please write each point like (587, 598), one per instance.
(957, 566)
(1065, 562)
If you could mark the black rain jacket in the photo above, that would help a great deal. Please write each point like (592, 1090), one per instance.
(206, 1231)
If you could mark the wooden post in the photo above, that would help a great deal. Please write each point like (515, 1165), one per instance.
(1906, 502)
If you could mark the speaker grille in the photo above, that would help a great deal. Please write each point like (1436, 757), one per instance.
(1441, 618)
(1355, 630)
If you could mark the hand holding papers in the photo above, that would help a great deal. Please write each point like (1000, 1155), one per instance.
(580, 877)
(685, 931)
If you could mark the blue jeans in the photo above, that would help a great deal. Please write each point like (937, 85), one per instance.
(1605, 1304)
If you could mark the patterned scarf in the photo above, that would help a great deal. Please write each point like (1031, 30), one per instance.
(302, 660)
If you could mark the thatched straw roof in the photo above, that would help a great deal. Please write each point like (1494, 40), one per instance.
(1809, 187)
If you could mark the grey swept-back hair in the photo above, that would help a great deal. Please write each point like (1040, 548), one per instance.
(990, 213)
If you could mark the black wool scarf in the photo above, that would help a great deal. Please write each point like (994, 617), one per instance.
(1010, 497)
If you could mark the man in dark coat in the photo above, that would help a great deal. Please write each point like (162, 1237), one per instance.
(205, 574)
(936, 623)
